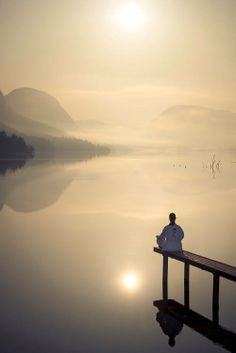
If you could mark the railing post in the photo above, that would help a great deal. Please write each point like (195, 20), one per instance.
(165, 278)
(215, 299)
(186, 285)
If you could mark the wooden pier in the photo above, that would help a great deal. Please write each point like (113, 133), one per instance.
(218, 269)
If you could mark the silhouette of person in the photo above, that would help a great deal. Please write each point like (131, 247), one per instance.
(171, 236)
(169, 325)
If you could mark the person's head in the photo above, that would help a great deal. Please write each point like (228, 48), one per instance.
(172, 218)
(171, 341)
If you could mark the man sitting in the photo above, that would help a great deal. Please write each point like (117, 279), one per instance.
(171, 236)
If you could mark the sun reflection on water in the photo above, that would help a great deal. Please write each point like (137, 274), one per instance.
(130, 281)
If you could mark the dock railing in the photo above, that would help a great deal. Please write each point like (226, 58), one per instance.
(218, 269)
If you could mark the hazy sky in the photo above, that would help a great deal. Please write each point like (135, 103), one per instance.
(183, 53)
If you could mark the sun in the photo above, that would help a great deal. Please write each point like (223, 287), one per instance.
(130, 17)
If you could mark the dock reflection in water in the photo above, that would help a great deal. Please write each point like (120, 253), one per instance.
(172, 316)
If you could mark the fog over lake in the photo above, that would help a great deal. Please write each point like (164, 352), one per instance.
(78, 270)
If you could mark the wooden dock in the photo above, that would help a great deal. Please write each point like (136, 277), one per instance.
(218, 269)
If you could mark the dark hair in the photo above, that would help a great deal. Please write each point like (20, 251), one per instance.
(172, 215)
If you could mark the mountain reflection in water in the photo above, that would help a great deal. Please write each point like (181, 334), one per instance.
(37, 186)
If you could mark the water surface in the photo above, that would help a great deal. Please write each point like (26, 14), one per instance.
(78, 273)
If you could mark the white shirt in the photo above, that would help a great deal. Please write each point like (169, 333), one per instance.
(170, 238)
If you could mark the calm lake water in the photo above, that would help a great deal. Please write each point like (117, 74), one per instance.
(78, 272)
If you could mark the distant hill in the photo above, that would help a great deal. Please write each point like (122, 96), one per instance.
(39, 106)
(45, 139)
(195, 127)
(90, 124)
(12, 120)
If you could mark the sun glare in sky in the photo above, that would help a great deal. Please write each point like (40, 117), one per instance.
(130, 17)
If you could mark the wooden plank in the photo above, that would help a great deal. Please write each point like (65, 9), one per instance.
(202, 262)
(199, 323)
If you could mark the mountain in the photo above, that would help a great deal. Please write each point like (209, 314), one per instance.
(46, 139)
(39, 106)
(13, 121)
(90, 124)
(195, 127)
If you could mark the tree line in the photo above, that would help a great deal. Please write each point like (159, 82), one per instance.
(14, 146)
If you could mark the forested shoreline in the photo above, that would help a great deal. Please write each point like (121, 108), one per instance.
(13, 146)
